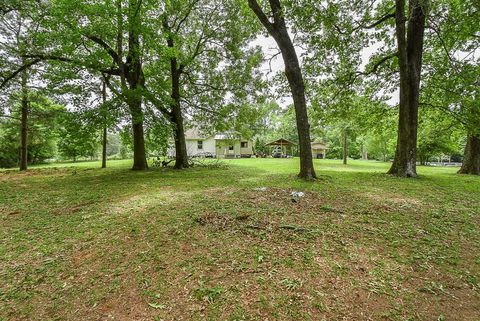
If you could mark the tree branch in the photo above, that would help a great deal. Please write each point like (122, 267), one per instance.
(157, 103)
(379, 63)
(8, 116)
(19, 70)
(381, 20)
(105, 46)
(277, 12)
(372, 25)
(187, 14)
(442, 42)
(445, 108)
(253, 4)
(195, 106)
(42, 57)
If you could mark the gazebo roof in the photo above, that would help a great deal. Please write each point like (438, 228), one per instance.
(281, 142)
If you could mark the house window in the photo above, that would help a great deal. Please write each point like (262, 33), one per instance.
(244, 144)
(230, 147)
(200, 144)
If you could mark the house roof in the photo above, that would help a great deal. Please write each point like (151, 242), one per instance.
(227, 135)
(195, 133)
(280, 142)
(318, 145)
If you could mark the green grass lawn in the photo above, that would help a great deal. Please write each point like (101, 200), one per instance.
(81, 243)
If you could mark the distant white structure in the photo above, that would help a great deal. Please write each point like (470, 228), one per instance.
(221, 145)
(318, 150)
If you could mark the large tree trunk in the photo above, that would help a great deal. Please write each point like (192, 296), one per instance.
(136, 81)
(24, 123)
(279, 32)
(139, 158)
(295, 80)
(104, 134)
(181, 157)
(471, 157)
(345, 146)
(410, 50)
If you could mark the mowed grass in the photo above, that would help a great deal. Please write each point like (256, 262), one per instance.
(81, 243)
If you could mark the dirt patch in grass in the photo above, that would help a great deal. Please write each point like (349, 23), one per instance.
(127, 305)
(436, 293)
(4, 210)
(394, 201)
(209, 249)
(73, 208)
(14, 175)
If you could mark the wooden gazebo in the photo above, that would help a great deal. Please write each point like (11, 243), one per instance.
(283, 144)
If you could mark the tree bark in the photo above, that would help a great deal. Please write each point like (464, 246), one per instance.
(410, 50)
(181, 156)
(471, 158)
(136, 81)
(279, 32)
(104, 134)
(139, 157)
(345, 146)
(24, 123)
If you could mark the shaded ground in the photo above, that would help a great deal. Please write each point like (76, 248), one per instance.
(230, 244)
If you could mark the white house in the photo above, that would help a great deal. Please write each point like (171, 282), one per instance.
(221, 145)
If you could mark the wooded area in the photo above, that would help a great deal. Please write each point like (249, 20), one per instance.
(350, 70)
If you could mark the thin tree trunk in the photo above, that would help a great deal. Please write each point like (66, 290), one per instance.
(104, 147)
(345, 147)
(471, 158)
(104, 138)
(364, 154)
(24, 123)
(279, 32)
(410, 50)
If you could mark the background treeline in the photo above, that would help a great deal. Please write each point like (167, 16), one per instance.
(59, 134)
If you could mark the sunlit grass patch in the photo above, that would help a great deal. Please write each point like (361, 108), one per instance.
(81, 243)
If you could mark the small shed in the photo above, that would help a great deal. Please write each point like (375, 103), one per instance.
(318, 150)
(280, 147)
